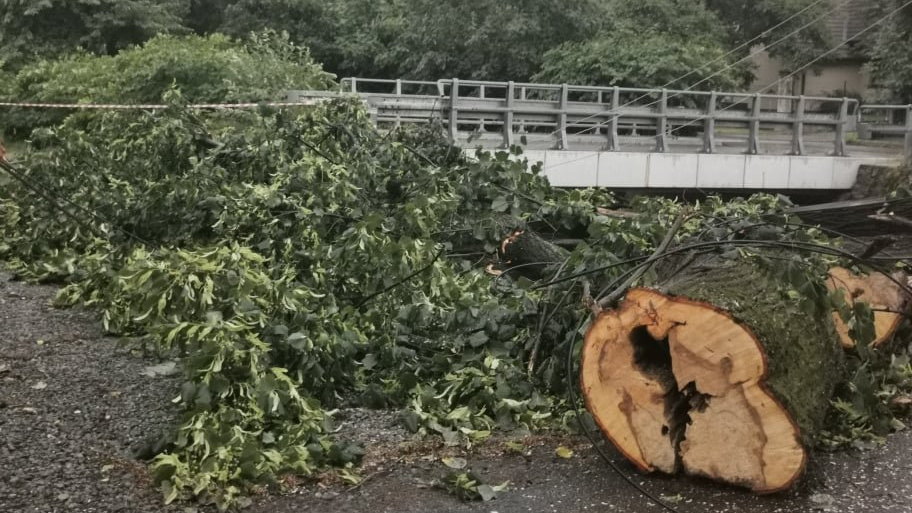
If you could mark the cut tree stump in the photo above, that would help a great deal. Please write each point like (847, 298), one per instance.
(714, 374)
(526, 253)
(877, 290)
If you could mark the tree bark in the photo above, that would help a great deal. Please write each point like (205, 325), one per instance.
(714, 373)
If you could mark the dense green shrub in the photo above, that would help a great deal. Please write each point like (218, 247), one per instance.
(213, 69)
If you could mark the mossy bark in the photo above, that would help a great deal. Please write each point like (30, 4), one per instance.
(805, 357)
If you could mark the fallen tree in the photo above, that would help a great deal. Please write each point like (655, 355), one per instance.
(711, 372)
(307, 261)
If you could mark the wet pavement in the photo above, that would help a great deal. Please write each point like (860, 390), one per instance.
(74, 407)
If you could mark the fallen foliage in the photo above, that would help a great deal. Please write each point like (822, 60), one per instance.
(296, 261)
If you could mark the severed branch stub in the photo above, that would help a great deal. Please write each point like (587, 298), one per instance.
(528, 254)
(709, 374)
(588, 301)
(888, 300)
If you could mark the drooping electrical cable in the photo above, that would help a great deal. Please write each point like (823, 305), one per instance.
(582, 122)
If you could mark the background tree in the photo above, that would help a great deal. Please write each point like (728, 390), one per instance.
(206, 16)
(486, 40)
(420, 39)
(308, 22)
(366, 38)
(209, 69)
(890, 49)
(47, 28)
(745, 20)
(647, 43)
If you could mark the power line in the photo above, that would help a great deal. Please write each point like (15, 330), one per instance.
(757, 37)
(812, 61)
(42, 190)
(304, 102)
(689, 88)
(790, 75)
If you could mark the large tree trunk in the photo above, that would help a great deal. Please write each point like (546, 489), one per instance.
(714, 373)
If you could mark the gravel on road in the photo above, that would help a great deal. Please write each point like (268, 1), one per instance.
(75, 408)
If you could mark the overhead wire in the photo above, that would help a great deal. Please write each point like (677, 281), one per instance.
(812, 61)
(581, 122)
(51, 196)
(771, 84)
(38, 191)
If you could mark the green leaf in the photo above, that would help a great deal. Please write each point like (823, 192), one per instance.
(454, 463)
(486, 492)
(299, 341)
(500, 204)
(517, 447)
(478, 339)
(563, 452)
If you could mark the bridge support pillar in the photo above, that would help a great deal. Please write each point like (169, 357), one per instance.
(454, 110)
(709, 125)
(561, 143)
(508, 116)
(753, 138)
(798, 128)
(612, 144)
(662, 123)
(909, 134)
(839, 150)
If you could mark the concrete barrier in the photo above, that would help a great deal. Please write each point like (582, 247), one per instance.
(632, 170)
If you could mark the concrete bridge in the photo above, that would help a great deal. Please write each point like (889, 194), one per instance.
(615, 137)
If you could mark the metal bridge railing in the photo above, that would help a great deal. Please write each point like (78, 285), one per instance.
(563, 115)
(874, 120)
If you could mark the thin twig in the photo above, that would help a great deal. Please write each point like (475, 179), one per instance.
(543, 320)
(892, 219)
(13, 172)
(661, 248)
(533, 356)
(319, 152)
(876, 246)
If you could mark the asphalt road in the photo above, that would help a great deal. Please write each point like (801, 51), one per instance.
(75, 407)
